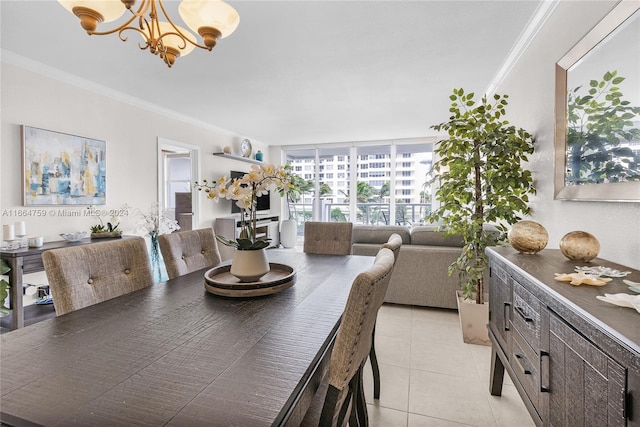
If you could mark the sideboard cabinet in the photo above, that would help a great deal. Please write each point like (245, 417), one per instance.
(575, 360)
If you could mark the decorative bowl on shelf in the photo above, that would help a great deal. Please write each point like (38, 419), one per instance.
(74, 237)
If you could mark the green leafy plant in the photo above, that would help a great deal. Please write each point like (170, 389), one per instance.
(4, 288)
(293, 192)
(101, 228)
(481, 180)
(598, 125)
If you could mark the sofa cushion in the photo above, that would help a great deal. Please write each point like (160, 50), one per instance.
(379, 234)
(433, 235)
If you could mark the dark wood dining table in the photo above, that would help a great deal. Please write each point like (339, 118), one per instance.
(173, 354)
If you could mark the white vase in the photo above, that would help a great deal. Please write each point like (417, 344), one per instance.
(288, 233)
(249, 266)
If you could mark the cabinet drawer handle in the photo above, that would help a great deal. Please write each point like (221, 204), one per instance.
(522, 314)
(544, 379)
(507, 315)
(521, 357)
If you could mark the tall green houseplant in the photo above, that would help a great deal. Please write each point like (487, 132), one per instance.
(481, 180)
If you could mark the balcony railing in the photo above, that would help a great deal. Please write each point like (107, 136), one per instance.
(407, 214)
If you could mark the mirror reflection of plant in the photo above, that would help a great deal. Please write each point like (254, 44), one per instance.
(598, 125)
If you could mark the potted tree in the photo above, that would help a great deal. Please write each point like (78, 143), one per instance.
(480, 181)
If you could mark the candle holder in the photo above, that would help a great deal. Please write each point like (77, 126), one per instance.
(10, 244)
(23, 241)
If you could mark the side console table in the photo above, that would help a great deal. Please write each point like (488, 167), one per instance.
(575, 360)
(29, 260)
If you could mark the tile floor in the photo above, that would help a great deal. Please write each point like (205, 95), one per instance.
(429, 377)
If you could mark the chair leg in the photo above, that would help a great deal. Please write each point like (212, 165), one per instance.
(374, 365)
(359, 416)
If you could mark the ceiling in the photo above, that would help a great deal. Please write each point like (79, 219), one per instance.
(294, 72)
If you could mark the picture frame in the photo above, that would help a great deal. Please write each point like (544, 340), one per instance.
(611, 50)
(62, 169)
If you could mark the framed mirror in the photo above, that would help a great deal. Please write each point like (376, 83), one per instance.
(597, 123)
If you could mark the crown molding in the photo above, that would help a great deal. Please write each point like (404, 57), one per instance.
(17, 60)
(544, 10)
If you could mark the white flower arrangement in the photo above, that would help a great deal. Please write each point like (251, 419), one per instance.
(154, 221)
(245, 192)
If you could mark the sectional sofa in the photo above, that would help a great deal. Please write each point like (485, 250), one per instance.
(420, 276)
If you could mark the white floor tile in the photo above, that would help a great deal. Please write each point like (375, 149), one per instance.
(443, 358)
(393, 350)
(384, 417)
(459, 399)
(416, 420)
(509, 410)
(394, 386)
(431, 378)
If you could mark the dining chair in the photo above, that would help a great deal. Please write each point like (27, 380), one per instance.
(80, 276)
(187, 251)
(340, 397)
(332, 238)
(394, 243)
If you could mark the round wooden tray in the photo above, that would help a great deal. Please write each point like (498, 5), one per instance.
(220, 281)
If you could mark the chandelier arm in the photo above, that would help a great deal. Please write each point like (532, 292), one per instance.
(184, 40)
(175, 27)
(140, 13)
(124, 39)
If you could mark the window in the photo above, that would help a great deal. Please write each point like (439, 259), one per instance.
(178, 176)
(390, 181)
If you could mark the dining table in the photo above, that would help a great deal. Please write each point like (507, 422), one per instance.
(173, 354)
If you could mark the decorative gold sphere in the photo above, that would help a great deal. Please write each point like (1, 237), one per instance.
(580, 246)
(528, 237)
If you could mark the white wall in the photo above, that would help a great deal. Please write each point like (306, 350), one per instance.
(531, 93)
(131, 133)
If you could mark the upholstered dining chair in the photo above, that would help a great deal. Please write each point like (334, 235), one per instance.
(333, 238)
(80, 276)
(394, 243)
(187, 251)
(340, 397)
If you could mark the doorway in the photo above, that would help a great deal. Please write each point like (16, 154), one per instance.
(177, 165)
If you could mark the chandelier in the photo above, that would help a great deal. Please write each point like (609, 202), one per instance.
(211, 19)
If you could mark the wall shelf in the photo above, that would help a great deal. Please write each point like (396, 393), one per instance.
(239, 158)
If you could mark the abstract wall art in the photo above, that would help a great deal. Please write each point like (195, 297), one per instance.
(62, 169)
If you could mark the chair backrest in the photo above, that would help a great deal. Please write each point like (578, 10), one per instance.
(394, 243)
(187, 251)
(353, 340)
(80, 276)
(333, 238)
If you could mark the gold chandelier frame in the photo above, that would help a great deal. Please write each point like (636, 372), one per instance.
(155, 33)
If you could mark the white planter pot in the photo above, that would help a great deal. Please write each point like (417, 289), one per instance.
(249, 266)
(473, 320)
(288, 233)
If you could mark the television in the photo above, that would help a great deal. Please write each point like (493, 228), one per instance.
(264, 202)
